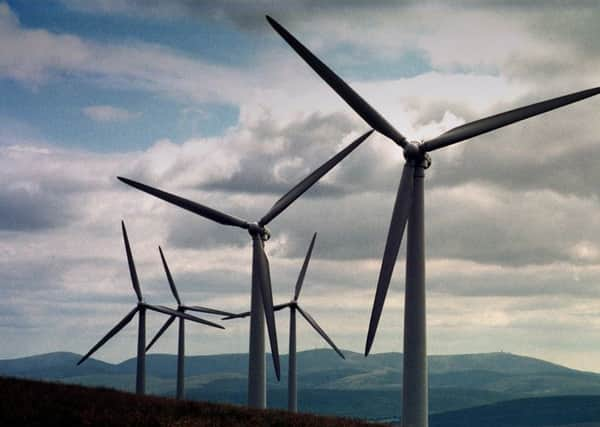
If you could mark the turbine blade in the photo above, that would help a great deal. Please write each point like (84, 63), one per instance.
(300, 188)
(206, 310)
(197, 208)
(161, 331)
(319, 330)
(496, 121)
(169, 277)
(134, 277)
(261, 272)
(281, 306)
(304, 267)
(392, 245)
(167, 310)
(237, 316)
(115, 330)
(354, 100)
(247, 313)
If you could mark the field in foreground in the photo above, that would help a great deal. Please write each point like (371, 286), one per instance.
(35, 403)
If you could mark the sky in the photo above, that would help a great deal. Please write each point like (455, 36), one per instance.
(205, 100)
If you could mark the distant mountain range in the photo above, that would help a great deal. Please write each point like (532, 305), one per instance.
(358, 387)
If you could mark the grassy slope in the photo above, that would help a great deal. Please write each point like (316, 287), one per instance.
(35, 403)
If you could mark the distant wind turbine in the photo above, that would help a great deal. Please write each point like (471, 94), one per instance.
(409, 208)
(262, 297)
(140, 308)
(181, 308)
(293, 306)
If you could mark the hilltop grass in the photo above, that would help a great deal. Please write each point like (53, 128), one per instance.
(36, 403)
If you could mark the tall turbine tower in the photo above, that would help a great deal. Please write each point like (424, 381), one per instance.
(293, 306)
(409, 208)
(181, 308)
(140, 309)
(262, 297)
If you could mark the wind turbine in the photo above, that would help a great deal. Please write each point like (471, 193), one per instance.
(409, 208)
(262, 298)
(140, 309)
(181, 308)
(293, 306)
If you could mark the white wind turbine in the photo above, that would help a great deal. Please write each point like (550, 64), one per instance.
(294, 306)
(409, 209)
(261, 294)
(140, 309)
(181, 308)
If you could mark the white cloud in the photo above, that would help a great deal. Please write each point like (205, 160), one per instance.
(143, 66)
(510, 217)
(218, 273)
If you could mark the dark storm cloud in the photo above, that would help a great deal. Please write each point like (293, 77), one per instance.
(41, 183)
(536, 214)
(18, 275)
(306, 144)
(481, 223)
(554, 151)
(23, 210)
(199, 233)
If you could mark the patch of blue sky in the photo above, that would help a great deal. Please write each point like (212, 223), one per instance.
(218, 42)
(354, 63)
(56, 111)
(362, 64)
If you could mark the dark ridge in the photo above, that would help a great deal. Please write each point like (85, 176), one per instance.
(36, 403)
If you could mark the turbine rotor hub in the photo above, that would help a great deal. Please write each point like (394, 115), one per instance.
(414, 153)
(412, 150)
(256, 230)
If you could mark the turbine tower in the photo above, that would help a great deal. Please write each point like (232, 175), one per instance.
(409, 208)
(181, 308)
(140, 308)
(293, 306)
(261, 295)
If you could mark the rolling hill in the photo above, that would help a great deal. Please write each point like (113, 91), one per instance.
(359, 387)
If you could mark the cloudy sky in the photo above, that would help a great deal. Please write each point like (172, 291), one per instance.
(205, 100)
